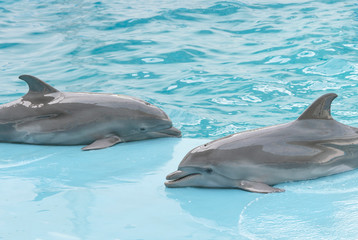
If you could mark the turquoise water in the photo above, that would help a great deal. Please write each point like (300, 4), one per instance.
(216, 68)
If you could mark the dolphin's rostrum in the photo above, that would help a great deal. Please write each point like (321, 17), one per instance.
(313, 146)
(48, 116)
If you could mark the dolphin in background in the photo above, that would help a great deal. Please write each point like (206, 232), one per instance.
(46, 115)
(313, 146)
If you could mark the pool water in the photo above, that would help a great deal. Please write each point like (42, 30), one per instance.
(216, 68)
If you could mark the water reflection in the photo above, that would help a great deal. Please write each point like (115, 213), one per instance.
(47, 185)
(221, 207)
(69, 167)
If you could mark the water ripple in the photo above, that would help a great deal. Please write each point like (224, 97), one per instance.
(4, 163)
(134, 22)
(330, 68)
(226, 61)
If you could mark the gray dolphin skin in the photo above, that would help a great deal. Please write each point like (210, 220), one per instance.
(47, 116)
(313, 146)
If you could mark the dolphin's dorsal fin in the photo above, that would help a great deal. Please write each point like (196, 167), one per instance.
(320, 109)
(36, 86)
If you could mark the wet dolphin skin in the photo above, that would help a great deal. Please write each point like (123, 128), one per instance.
(48, 116)
(313, 146)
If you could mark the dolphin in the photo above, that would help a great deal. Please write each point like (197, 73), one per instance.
(46, 115)
(315, 145)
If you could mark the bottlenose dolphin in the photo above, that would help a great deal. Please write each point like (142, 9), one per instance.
(313, 146)
(47, 116)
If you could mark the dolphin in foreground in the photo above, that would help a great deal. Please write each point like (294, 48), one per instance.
(313, 146)
(48, 116)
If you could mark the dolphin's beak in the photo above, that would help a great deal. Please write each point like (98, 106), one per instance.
(176, 175)
(180, 179)
(170, 132)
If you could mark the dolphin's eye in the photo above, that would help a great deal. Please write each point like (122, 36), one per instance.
(142, 129)
(209, 170)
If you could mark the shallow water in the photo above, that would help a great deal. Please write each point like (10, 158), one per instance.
(216, 68)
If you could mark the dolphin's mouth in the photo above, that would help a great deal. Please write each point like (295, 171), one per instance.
(179, 178)
(169, 132)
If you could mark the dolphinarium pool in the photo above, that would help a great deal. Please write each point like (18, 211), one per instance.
(216, 68)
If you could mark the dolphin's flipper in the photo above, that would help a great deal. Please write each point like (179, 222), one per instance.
(103, 143)
(36, 86)
(257, 187)
(320, 109)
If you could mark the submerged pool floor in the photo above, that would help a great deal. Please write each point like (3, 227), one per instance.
(119, 193)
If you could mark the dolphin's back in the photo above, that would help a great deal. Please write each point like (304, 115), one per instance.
(64, 113)
(288, 152)
(47, 116)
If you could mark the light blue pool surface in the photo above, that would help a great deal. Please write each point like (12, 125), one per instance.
(216, 68)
